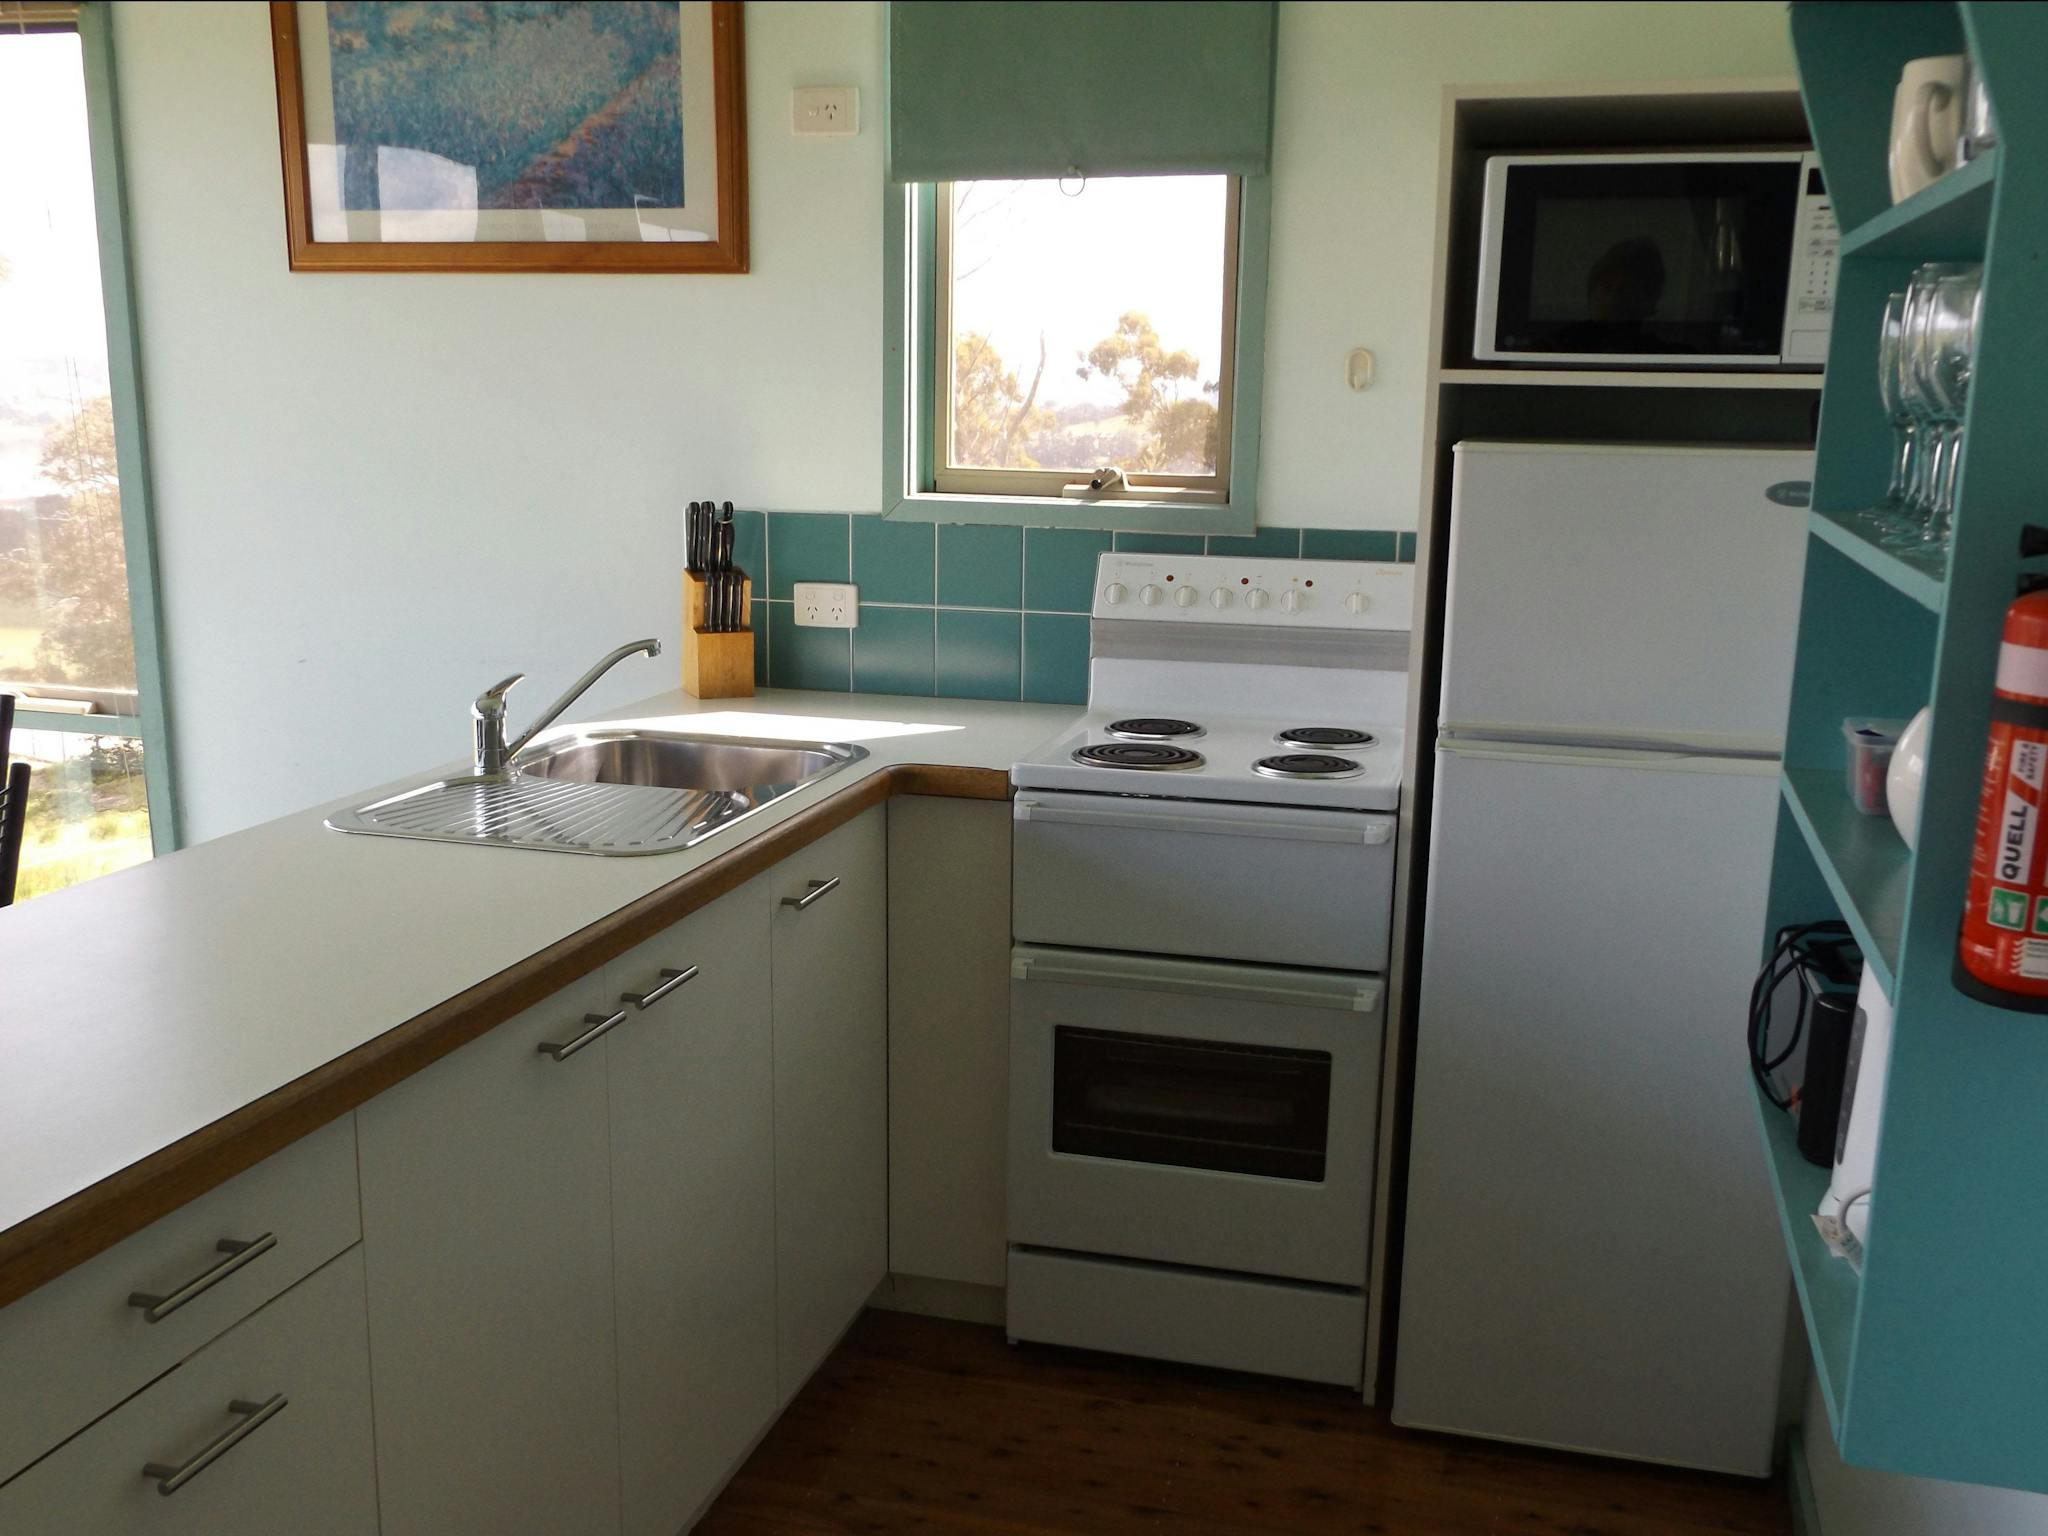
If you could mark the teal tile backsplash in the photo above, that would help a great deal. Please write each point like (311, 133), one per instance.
(980, 566)
(966, 610)
(980, 654)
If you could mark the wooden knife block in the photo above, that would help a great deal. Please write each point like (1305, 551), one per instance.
(715, 666)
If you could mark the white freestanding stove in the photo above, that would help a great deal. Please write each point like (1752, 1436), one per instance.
(1204, 880)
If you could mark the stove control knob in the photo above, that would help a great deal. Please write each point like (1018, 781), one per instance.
(1221, 597)
(1115, 593)
(1187, 597)
(1256, 599)
(1292, 601)
(1151, 596)
(1357, 602)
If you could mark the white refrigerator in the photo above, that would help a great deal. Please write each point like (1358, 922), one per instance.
(1592, 1259)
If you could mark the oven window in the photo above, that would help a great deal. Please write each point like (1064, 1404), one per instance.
(1191, 1103)
(1648, 259)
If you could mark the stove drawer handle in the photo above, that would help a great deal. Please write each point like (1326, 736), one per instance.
(1372, 834)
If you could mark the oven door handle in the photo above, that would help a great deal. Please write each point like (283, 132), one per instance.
(1306, 989)
(1372, 833)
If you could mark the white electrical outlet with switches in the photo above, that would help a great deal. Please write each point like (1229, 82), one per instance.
(830, 110)
(827, 604)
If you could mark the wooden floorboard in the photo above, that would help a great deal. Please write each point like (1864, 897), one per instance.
(917, 1425)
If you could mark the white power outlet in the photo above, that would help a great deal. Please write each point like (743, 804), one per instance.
(827, 604)
(827, 110)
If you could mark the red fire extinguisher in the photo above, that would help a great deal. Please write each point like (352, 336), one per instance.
(2002, 956)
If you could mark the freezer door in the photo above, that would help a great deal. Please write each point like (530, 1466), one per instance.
(1601, 592)
(1592, 1253)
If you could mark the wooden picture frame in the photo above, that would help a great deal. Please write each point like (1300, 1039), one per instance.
(726, 252)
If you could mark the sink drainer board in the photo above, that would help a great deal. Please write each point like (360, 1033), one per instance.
(529, 808)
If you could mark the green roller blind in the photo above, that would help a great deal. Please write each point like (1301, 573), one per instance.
(1018, 90)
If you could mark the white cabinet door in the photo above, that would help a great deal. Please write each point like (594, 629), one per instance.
(488, 1236)
(265, 1430)
(831, 1088)
(949, 1033)
(693, 1208)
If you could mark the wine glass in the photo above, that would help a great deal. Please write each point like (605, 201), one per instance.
(1948, 356)
(1933, 445)
(1889, 512)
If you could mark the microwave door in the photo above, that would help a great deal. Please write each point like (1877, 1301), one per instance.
(1637, 260)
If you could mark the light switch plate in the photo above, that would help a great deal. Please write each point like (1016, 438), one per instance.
(827, 604)
(828, 110)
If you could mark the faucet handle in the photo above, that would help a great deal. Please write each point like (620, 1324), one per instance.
(492, 700)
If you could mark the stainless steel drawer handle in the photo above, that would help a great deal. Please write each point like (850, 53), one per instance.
(819, 889)
(254, 1416)
(156, 1308)
(600, 1024)
(670, 980)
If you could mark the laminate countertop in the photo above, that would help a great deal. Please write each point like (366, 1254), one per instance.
(165, 1027)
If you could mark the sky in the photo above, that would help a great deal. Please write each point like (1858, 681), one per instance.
(1026, 256)
(53, 345)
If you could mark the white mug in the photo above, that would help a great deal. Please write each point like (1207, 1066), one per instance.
(1927, 120)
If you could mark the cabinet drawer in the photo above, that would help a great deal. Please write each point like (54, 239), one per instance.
(303, 1465)
(86, 1348)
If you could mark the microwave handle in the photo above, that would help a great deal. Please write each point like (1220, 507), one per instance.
(1372, 834)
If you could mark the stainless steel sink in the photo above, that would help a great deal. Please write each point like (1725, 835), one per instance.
(711, 763)
(611, 792)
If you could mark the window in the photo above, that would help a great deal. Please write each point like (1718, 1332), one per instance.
(1083, 325)
(1033, 338)
(68, 636)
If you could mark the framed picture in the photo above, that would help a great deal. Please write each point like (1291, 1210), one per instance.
(512, 135)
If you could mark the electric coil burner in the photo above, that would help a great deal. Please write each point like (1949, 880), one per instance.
(1136, 754)
(1325, 736)
(1155, 728)
(1308, 765)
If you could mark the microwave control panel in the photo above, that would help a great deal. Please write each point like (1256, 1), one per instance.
(1816, 252)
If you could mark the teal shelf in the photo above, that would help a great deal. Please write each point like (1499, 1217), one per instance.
(1945, 221)
(1828, 1287)
(1931, 1360)
(1864, 861)
(1920, 577)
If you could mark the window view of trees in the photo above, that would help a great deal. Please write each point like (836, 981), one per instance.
(1166, 422)
(1087, 327)
(67, 642)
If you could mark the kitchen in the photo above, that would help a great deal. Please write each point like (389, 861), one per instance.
(405, 435)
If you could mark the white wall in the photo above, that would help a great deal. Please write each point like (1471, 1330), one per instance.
(1354, 208)
(377, 493)
(1855, 1502)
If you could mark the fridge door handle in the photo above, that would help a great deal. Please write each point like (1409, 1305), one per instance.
(1609, 757)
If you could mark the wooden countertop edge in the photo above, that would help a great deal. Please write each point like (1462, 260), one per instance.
(38, 1250)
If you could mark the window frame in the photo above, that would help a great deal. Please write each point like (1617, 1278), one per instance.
(909, 397)
(951, 479)
(150, 723)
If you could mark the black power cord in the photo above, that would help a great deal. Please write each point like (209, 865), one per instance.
(1825, 947)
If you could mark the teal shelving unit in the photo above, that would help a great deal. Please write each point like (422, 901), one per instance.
(1934, 1361)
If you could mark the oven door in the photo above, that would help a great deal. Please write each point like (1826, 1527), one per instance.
(1278, 885)
(1192, 1113)
(1629, 259)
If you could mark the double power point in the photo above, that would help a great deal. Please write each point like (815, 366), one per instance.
(827, 604)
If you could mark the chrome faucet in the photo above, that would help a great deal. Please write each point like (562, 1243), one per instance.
(487, 714)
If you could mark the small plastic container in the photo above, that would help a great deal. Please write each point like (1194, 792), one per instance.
(1870, 756)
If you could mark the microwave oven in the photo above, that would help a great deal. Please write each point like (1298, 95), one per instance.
(1657, 260)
